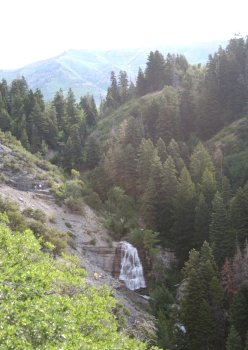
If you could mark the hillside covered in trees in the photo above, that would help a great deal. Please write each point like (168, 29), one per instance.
(164, 159)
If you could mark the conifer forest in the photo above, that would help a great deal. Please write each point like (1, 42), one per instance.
(164, 160)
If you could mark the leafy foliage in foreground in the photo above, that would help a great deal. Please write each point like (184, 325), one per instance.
(46, 305)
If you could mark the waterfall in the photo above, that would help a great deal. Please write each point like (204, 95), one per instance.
(131, 268)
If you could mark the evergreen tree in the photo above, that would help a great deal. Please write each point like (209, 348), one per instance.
(60, 108)
(169, 192)
(87, 103)
(220, 236)
(145, 156)
(123, 86)
(233, 340)
(72, 112)
(174, 151)
(130, 170)
(141, 83)
(161, 148)
(183, 210)
(202, 221)
(93, 152)
(149, 202)
(132, 133)
(150, 113)
(199, 161)
(239, 215)
(239, 312)
(201, 302)
(208, 185)
(168, 115)
(155, 71)
(5, 120)
(113, 97)
(226, 190)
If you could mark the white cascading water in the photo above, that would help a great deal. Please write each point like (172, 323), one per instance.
(131, 268)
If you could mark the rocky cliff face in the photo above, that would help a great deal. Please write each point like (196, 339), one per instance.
(109, 259)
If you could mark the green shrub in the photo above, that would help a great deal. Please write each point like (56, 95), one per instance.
(75, 205)
(94, 201)
(136, 237)
(58, 238)
(37, 214)
(68, 224)
(52, 219)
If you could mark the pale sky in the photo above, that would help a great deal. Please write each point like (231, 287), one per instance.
(33, 30)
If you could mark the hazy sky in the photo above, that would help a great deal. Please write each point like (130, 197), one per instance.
(37, 29)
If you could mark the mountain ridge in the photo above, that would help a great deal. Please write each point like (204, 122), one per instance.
(88, 71)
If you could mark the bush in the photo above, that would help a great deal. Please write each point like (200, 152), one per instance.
(136, 237)
(37, 214)
(76, 205)
(58, 238)
(68, 224)
(94, 201)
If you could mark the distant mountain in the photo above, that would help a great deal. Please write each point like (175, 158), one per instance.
(89, 71)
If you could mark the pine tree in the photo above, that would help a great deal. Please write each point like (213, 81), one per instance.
(123, 86)
(167, 123)
(141, 88)
(145, 156)
(233, 340)
(220, 237)
(208, 185)
(72, 112)
(161, 148)
(239, 312)
(113, 97)
(174, 151)
(155, 71)
(183, 210)
(149, 203)
(199, 162)
(169, 192)
(60, 108)
(132, 132)
(226, 190)
(239, 215)
(201, 303)
(5, 120)
(87, 103)
(130, 170)
(202, 221)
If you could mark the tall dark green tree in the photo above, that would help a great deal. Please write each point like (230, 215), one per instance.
(123, 86)
(141, 85)
(155, 71)
(184, 211)
(239, 312)
(233, 340)
(220, 236)
(202, 300)
(239, 215)
(87, 103)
